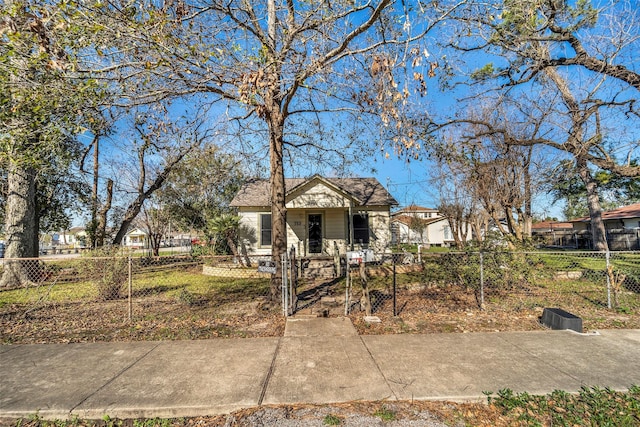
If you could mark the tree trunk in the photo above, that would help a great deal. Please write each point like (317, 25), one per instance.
(101, 221)
(278, 208)
(134, 208)
(528, 211)
(130, 214)
(230, 237)
(94, 198)
(20, 230)
(598, 231)
(515, 228)
(275, 119)
(477, 231)
(35, 246)
(455, 223)
(154, 240)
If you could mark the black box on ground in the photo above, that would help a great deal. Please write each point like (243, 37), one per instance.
(557, 318)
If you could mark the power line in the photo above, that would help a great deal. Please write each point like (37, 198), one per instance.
(426, 181)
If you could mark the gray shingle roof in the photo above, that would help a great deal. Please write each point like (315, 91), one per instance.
(366, 191)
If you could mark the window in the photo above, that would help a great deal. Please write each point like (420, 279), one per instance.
(447, 233)
(361, 228)
(265, 230)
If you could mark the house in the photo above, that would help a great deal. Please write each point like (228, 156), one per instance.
(322, 214)
(622, 226)
(76, 237)
(420, 225)
(136, 239)
(554, 233)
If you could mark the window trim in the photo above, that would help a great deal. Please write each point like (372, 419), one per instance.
(447, 233)
(262, 229)
(361, 229)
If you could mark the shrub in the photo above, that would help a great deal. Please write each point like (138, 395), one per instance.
(107, 269)
(202, 250)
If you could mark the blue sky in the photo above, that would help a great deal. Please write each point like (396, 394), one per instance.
(410, 183)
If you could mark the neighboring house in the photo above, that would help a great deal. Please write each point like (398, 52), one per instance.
(622, 226)
(76, 237)
(419, 225)
(136, 239)
(554, 233)
(322, 214)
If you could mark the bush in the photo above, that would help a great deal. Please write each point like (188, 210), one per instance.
(202, 250)
(108, 270)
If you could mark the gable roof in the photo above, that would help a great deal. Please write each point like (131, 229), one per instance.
(413, 209)
(416, 208)
(366, 191)
(408, 219)
(625, 212)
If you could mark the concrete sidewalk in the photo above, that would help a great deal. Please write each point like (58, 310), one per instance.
(317, 361)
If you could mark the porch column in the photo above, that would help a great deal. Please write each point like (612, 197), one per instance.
(350, 223)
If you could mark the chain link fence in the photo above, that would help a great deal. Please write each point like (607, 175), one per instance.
(139, 297)
(133, 297)
(501, 289)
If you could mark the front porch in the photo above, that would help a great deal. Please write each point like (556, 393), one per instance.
(321, 233)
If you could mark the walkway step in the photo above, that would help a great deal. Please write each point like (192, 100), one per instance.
(319, 327)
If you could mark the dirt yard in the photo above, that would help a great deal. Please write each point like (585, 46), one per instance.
(432, 310)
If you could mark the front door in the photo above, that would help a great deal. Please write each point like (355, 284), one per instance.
(315, 233)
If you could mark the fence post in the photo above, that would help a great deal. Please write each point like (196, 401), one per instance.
(481, 280)
(607, 256)
(293, 280)
(347, 285)
(130, 287)
(395, 310)
(285, 282)
(366, 295)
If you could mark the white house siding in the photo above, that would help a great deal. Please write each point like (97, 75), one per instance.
(250, 231)
(379, 229)
(136, 239)
(437, 233)
(333, 224)
(317, 196)
(406, 235)
(335, 230)
(296, 230)
(434, 234)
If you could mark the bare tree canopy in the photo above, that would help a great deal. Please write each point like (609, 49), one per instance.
(559, 75)
(294, 66)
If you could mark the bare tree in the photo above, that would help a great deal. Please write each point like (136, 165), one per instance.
(160, 144)
(459, 203)
(493, 173)
(569, 71)
(155, 222)
(418, 226)
(293, 65)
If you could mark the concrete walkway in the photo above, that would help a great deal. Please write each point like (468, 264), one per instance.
(317, 361)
